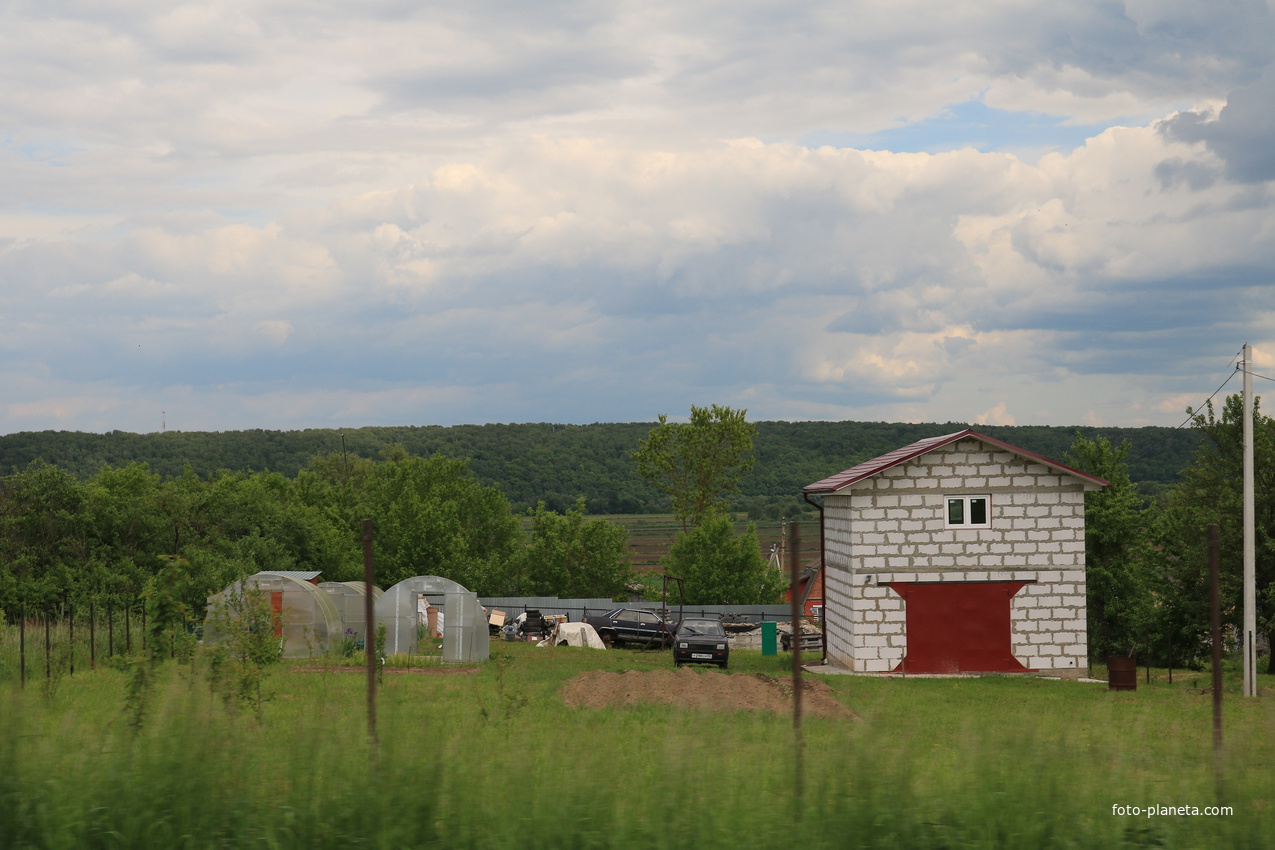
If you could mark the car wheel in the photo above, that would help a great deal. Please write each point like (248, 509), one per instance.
(721, 664)
(608, 639)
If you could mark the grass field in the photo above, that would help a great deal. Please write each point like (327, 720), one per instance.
(494, 758)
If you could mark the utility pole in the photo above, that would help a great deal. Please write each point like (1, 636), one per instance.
(1250, 547)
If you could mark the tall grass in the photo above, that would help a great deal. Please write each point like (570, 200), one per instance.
(494, 758)
(68, 646)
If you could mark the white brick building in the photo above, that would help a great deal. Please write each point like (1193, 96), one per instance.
(958, 553)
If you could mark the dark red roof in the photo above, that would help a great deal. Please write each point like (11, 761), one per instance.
(869, 468)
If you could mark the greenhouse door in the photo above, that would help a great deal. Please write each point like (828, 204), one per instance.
(276, 611)
(958, 627)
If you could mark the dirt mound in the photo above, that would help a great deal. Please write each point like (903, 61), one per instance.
(706, 689)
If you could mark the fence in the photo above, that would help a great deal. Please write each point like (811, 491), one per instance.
(59, 640)
(576, 610)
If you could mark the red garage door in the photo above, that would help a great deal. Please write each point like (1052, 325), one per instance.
(958, 627)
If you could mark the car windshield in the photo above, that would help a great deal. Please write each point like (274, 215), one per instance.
(701, 627)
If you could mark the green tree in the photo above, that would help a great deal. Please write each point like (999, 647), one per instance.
(1212, 492)
(434, 518)
(45, 536)
(243, 630)
(165, 621)
(573, 557)
(1115, 550)
(722, 568)
(697, 463)
(1178, 576)
(240, 523)
(335, 484)
(128, 532)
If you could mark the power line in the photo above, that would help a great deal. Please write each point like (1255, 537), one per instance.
(1191, 416)
(1234, 372)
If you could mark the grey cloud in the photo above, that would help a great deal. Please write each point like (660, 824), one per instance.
(1194, 174)
(1097, 352)
(1145, 308)
(564, 77)
(1150, 45)
(906, 307)
(1242, 132)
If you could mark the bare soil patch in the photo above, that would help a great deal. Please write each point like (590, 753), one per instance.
(701, 689)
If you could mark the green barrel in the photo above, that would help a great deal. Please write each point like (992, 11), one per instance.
(769, 645)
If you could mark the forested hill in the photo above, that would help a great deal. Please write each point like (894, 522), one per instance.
(557, 463)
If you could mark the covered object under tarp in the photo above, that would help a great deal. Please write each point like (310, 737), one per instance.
(305, 618)
(576, 634)
(465, 636)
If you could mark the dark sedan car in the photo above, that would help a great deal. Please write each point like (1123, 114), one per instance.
(701, 641)
(631, 625)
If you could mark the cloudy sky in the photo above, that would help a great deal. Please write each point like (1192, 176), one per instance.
(310, 213)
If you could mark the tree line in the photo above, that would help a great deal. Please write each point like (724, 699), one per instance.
(110, 536)
(559, 464)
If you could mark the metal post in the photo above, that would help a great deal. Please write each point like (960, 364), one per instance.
(794, 562)
(1250, 594)
(369, 638)
(70, 633)
(92, 635)
(1215, 607)
(22, 647)
(110, 630)
(48, 648)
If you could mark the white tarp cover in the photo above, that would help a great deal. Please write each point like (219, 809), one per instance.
(422, 616)
(576, 634)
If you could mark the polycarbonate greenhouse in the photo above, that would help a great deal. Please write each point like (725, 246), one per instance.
(307, 620)
(465, 636)
(348, 597)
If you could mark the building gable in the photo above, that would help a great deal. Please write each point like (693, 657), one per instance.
(892, 460)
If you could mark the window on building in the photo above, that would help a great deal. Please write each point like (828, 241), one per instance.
(969, 512)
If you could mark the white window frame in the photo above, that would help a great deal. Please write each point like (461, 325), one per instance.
(966, 510)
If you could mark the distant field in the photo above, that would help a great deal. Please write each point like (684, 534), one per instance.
(650, 536)
(494, 757)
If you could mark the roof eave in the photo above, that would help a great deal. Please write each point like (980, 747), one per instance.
(924, 447)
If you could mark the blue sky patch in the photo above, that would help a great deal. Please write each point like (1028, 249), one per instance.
(972, 124)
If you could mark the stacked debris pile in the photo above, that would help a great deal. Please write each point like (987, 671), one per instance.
(811, 637)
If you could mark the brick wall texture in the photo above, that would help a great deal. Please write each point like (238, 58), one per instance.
(890, 528)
